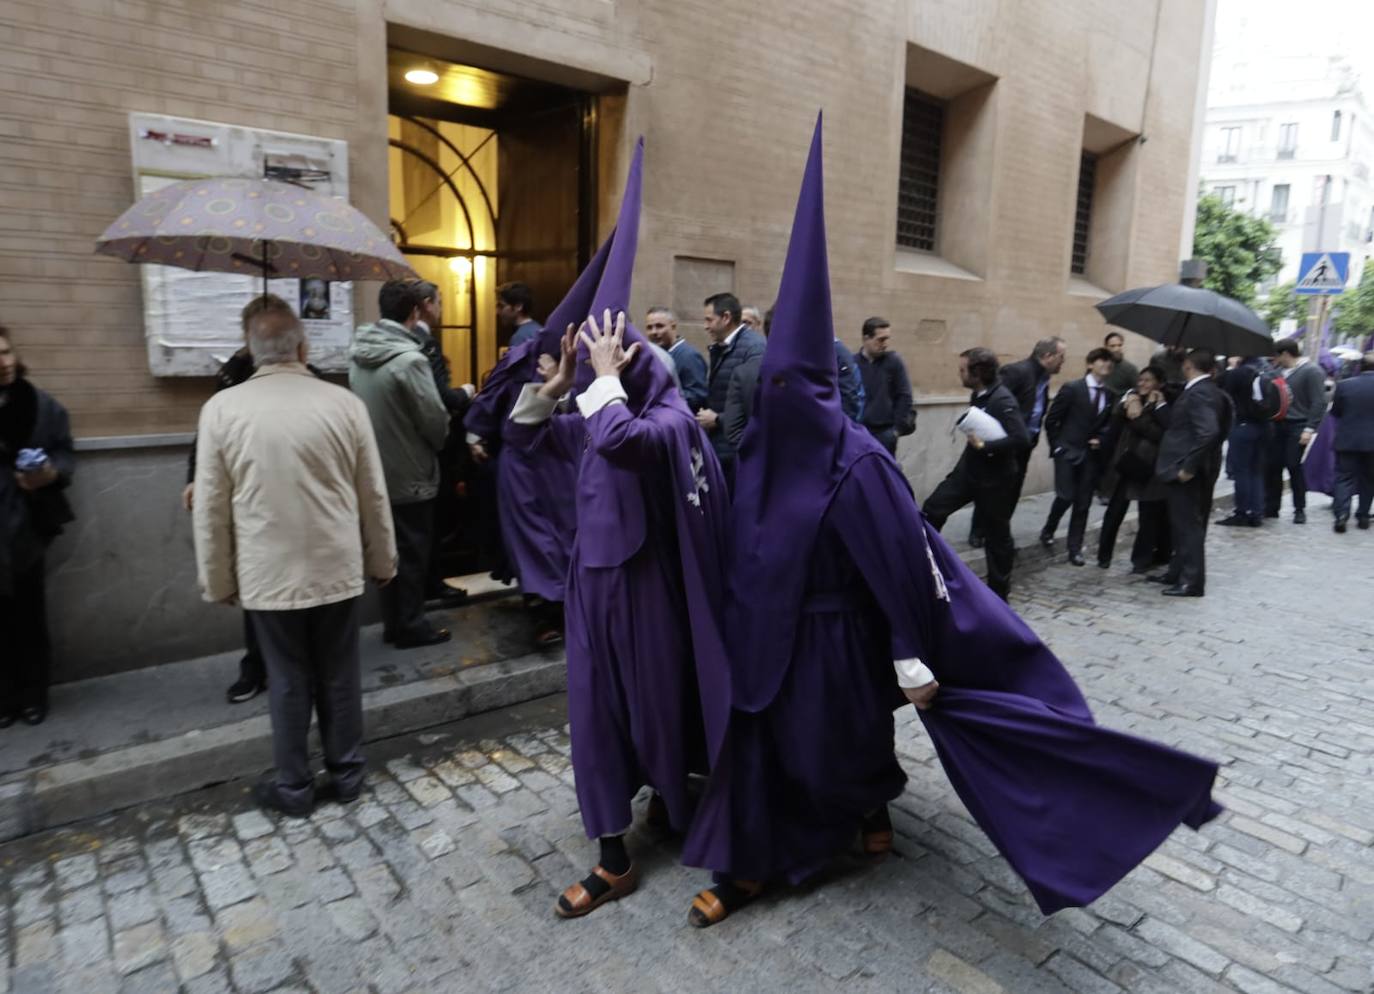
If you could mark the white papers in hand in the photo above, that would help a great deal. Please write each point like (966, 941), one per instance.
(976, 421)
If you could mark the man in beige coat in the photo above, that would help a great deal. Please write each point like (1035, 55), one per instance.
(291, 516)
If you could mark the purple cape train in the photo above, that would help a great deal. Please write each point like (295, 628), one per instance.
(648, 682)
(833, 575)
(1319, 461)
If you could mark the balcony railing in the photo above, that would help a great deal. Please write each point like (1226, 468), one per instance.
(1288, 153)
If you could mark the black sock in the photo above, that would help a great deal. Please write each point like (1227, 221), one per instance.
(614, 856)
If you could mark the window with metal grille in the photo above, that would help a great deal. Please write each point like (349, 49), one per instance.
(1083, 215)
(923, 123)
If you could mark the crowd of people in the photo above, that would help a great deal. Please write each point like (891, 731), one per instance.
(699, 531)
(641, 490)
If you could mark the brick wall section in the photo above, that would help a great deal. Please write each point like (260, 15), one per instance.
(70, 72)
(727, 111)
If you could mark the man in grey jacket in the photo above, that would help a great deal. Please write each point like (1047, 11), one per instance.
(1306, 408)
(391, 374)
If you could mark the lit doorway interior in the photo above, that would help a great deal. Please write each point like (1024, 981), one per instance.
(492, 179)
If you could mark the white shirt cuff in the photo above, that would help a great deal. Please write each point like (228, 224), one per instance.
(531, 408)
(605, 390)
(474, 439)
(912, 673)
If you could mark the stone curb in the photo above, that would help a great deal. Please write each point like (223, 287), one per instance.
(86, 788)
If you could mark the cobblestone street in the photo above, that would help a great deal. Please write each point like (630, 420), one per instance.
(444, 876)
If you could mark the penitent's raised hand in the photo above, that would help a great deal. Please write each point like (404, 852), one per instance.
(605, 345)
(562, 378)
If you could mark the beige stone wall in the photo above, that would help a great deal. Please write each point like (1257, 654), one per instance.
(725, 92)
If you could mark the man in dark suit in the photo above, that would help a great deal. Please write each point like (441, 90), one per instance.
(1076, 425)
(1354, 445)
(986, 472)
(1188, 461)
(1029, 382)
(660, 327)
(732, 344)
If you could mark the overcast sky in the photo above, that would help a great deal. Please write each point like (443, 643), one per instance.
(1328, 27)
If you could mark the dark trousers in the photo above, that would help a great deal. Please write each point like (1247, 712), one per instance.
(313, 665)
(1074, 488)
(403, 599)
(26, 662)
(1152, 528)
(251, 666)
(1285, 452)
(1354, 475)
(1023, 459)
(1245, 459)
(1188, 504)
(993, 503)
(887, 437)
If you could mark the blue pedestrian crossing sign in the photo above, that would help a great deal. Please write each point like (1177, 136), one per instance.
(1323, 273)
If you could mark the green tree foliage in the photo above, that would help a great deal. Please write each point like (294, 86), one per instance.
(1354, 317)
(1282, 303)
(1239, 249)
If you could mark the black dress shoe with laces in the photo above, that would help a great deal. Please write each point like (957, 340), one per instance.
(1299, 517)
(1077, 560)
(244, 689)
(1339, 527)
(1179, 590)
(432, 637)
(34, 715)
(7, 719)
(1362, 524)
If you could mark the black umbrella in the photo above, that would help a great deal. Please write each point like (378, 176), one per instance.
(1174, 314)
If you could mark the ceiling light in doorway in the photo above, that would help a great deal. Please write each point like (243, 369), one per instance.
(422, 76)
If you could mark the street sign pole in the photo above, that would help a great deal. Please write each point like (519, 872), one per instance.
(1315, 324)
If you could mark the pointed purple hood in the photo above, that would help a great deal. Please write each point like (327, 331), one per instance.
(796, 451)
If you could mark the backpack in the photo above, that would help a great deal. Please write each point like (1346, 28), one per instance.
(1270, 397)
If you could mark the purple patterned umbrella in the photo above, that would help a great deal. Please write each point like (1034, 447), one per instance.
(254, 227)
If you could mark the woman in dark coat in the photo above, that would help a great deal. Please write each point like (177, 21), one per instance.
(36, 464)
(1137, 425)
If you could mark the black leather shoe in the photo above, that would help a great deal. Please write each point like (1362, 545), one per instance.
(1076, 560)
(1339, 527)
(1362, 524)
(1163, 578)
(331, 792)
(1102, 565)
(976, 541)
(1179, 590)
(1299, 517)
(1047, 540)
(1255, 521)
(7, 719)
(1235, 521)
(34, 715)
(1271, 514)
(244, 689)
(1140, 570)
(433, 637)
(267, 797)
(446, 596)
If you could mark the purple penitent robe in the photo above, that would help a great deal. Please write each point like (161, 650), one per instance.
(834, 574)
(537, 520)
(648, 689)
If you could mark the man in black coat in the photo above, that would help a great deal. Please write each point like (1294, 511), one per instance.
(1354, 445)
(888, 409)
(1188, 462)
(1029, 382)
(987, 470)
(1076, 426)
(732, 344)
